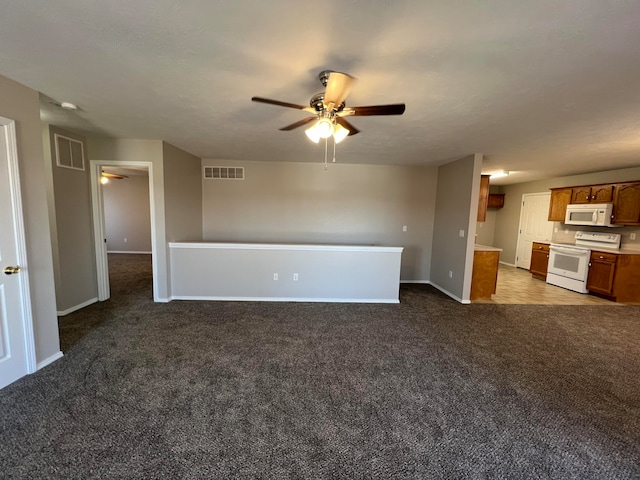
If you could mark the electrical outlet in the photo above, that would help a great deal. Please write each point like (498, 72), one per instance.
(275, 276)
(461, 233)
(125, 240)
(295, 277)
(632, 236)
(450, 274)
(404, 228)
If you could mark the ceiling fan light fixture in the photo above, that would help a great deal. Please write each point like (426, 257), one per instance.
(104, 180)
(312, 134)
(324, 128)
(339, 133)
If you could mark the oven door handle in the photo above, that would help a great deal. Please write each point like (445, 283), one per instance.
(570, 251)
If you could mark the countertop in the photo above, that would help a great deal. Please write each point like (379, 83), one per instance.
(620, 251)
(485, 248)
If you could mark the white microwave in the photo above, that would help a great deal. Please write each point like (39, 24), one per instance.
(594, 214)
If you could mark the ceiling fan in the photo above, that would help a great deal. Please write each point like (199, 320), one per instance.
(328, 109)
(106, 176)
(113, 175)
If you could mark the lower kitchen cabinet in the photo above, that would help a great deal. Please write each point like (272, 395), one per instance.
(539, 260)
(602, 269)
(614, 276)
(484, 277)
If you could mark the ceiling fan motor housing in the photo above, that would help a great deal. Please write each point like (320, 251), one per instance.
(317, 102)
(324, 77)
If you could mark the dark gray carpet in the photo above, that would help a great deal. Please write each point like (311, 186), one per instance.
(425, 389)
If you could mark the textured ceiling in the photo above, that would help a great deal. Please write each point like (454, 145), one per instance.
(542, 88)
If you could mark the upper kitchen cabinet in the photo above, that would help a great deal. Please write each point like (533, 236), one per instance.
(626, 203)
(496, 200)
(624, 196)
(560, 198)
(484, 198)
(592, 194)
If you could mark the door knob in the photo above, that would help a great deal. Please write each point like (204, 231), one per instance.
(11, 270)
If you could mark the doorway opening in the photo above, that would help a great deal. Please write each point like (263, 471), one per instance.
(99, 223)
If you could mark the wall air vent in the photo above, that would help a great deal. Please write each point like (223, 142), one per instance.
(69, 152)
(224, 173)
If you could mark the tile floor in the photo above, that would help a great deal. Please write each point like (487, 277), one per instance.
(516, 285)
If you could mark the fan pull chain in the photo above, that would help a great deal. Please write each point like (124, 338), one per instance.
(326, 145)
(334, 150)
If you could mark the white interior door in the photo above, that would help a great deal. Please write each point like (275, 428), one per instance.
(16, 334)
(534, 226)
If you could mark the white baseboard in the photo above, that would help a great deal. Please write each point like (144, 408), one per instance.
(508, 264)
(449, 294)
(77, 307)
(289, 299)
(50, 360)
(423, 282)
(127, 251)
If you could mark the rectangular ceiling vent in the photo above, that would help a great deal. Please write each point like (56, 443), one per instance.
(224, 173)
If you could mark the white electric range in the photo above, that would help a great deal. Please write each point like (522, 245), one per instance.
(569, 263)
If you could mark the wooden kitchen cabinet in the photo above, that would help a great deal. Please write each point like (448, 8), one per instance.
(484, 276)
(580, 195)
(602, 269)
(484, 198)
(614, 276)
(592, 194)
(560, 198)
(626, 203)
(602, 194)
(624, 196)
(539, 260)
(496, 200)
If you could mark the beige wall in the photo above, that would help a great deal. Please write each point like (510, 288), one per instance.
(508, 218)
(183, 194)
(21, 104)
(71, 228)
(127, 214)
(485, 230)
(456, 210)
(345, 204)
(114, 149)
(183, 198)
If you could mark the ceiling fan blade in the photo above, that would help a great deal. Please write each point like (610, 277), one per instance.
(352, 130)
(299, 123)
(278, 102)
(393, 109)
(338, 87)
(114, 175)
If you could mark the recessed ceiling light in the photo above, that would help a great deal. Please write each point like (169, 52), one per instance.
(500, 174)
